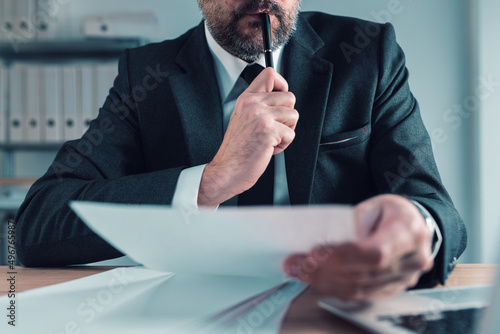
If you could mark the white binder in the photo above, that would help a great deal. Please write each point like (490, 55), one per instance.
(88, 104)
(79, 116)
(47, 15)
(24, 27)
(16, 104)
(52, 118)
(103, 84)
(70, 105)
(3, 103)
(113, 72)
(122, 26)
(6, 19)
(31, 112)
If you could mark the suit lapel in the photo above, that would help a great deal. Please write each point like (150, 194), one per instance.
(309, 78)
(197, 97)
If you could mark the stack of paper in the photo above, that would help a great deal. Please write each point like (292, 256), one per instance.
(227, 263)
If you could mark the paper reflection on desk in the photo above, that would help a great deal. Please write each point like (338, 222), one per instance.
(139, 300)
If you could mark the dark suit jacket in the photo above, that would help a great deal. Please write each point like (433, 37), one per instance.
(164, 114)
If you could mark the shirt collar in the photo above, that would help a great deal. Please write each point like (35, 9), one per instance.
(228, 68)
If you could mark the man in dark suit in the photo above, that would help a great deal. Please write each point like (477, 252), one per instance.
(338, 125)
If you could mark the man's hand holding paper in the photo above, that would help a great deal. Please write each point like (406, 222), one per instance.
(391, 251)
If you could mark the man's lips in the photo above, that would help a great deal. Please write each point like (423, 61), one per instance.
(257, 16)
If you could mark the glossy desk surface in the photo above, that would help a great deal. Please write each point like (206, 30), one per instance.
(304, 315)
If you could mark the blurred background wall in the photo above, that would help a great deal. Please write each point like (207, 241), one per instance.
(453, 57)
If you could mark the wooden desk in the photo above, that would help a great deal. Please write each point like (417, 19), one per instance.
(304, 315)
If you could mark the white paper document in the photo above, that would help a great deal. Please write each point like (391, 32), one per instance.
(207, 272)
(139, 300)
(232, 241)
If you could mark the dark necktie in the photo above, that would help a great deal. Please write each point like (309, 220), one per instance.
(262, 192)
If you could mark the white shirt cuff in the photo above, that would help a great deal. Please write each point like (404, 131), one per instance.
(188, 185)
(437, 237)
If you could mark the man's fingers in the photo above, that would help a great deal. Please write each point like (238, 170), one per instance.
(286, 136)
(285, 116)
(417, 261)
(367, 216)
(268, 81)
(345, 272)
(350, 256)
(369, 278)
(285, 99)
(279, 112)
(398, 229)
(346, 258)
(389, 245)
(353, 286)
(294, 266)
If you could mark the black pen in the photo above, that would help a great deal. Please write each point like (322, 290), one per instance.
(266, 36)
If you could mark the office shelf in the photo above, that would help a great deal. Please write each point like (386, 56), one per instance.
(30, 147)
(59, 52)
(17, 181)
(88, 48)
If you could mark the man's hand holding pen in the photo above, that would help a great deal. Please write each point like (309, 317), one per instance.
(261, 125)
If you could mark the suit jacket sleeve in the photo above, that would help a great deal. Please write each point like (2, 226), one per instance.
(105, 165)
(401, 156)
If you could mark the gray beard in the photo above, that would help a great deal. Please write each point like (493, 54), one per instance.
(244, 47)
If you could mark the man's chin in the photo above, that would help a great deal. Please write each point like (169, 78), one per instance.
(251, 38)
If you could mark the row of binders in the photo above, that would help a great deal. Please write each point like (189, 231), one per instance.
(29, 19)
(51, 103)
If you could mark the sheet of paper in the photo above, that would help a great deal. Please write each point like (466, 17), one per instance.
(231, 241)
(131, 300)
(261, 314)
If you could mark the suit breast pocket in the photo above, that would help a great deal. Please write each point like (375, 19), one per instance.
(342, 172)
(344, 139)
